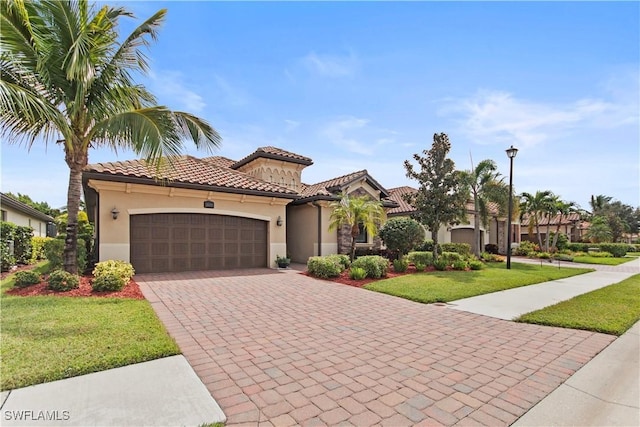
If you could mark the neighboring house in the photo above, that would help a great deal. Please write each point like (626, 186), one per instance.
(461, 233)
(217, 213)
(22, 214)
(571, 225)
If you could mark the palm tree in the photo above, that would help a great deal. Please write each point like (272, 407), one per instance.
(563, 210)
(485, 186)
(356, 212)
(66, 78)
(599, 203)
(535, 206)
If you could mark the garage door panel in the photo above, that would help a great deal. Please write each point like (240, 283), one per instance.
(186, 242)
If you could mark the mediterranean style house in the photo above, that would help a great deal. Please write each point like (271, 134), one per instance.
(217, 213)
(22, 214)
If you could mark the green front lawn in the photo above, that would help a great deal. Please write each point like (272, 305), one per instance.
(612, 310)
(444, 286)
(47, 338)
(602, 260)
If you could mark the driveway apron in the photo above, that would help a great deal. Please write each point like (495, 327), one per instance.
(285, 349)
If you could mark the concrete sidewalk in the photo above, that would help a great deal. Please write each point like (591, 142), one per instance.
(604, 392)
(163, 392)
(512, 303)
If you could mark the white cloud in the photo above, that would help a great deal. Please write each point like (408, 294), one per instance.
(340, 133)
(169, 85)
(291, 125)
(230, 94)
(491, 117)
(331, 65)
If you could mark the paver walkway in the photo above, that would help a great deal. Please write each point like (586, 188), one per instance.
(286, 349)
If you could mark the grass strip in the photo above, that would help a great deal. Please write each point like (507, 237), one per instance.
(47, 338)
(611, 310)
(448, 286)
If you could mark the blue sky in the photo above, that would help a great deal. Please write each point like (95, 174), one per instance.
(364, 85)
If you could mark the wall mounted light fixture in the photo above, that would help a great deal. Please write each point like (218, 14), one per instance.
(279, 221)
(115, 212)
(208, 204)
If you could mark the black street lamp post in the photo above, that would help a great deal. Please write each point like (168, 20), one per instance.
(511, 153)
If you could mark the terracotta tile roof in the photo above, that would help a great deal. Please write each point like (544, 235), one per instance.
(566, 219)
(189, 170)
(221, 161)
(397, 195)
(331, 186)
(273, 153)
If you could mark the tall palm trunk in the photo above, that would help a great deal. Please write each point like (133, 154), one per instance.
(76, 162)
(538, 232)
(355, 232)
(548, 236)
(476, 231)
(555, 236)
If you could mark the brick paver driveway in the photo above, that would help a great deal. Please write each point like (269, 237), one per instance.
(285, 349)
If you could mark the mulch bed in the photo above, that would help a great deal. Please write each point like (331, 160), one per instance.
(131, 289)
(344, 278)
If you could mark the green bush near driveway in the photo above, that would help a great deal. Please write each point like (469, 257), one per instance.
(611, 310)
(47, 338)
(452, 285)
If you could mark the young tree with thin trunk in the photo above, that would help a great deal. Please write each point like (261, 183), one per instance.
(535, 206)
(442, 194)
(67, 78)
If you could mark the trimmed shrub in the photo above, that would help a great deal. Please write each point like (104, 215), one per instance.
(54, 252)
(487, 257)
(108, 282)
(424, 258)
(324, 267)
(459, 265)
(62, 281)
(375, 266)
(26, 278)
(579, 247)
(600, 254)
(463, 249)
(341, 259)
(618, 250)
(491, 248)
(37, 248)
(420, 267)
(476, 265)
(401, 235)
(440, 264)
(400, 265)
(525, 248)
(122, 269)
(7, 233)
(357, 273)
(451, 257)
(543, 255)
(22, 244)
(426, 246)
(563, 257)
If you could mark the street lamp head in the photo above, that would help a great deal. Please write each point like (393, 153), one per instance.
(511, 152)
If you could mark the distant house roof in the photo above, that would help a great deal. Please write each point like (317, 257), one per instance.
(332, 187)
(23, 208)
(189, 172)
(404, 208)
(554, 220)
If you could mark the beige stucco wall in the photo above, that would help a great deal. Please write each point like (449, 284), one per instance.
(19, 218)
(302, 232)
(278, 172)
(132, 199)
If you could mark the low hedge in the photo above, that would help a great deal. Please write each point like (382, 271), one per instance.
(419, 257)
(375, 265)
(324, 267)
(463, 249)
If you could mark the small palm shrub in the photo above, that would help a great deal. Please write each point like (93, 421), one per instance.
(475, 265)
(440, 264)
(420, 267)
(357, 273)
(375, 265)
(400, 265)
(324, 267)
(26, 278)
(460, 265)
(61, 281)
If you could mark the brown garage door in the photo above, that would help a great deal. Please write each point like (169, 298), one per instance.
(191, 242)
